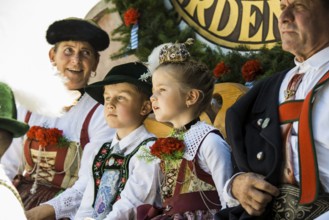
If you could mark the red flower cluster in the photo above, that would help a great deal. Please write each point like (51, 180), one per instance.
(251, 69)
(168, 148)
(131, 16)
(221, 69)
(45, 136)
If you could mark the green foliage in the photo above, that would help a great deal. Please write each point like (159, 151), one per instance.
(158, 25)
(145, 154)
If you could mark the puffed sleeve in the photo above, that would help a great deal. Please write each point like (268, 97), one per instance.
(214, 157)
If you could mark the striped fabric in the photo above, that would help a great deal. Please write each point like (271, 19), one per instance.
(134, 37)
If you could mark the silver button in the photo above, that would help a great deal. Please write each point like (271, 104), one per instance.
(265, 122)
(259, 122)
(260, 156)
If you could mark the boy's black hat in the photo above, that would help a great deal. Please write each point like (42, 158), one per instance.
(77, 29)
(135, 73)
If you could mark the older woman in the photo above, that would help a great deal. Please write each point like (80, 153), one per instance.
(51, 152)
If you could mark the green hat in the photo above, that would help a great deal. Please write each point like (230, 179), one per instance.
(77, 29)
(135, 73)
(8, 113)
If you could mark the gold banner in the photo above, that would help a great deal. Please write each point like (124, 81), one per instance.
(233, 23)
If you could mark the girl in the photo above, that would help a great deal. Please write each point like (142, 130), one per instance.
(195, 159)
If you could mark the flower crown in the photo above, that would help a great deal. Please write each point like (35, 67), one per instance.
(175, 53)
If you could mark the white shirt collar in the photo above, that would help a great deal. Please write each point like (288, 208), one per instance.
(314, 62)
(132, 140)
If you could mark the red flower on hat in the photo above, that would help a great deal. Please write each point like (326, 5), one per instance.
(221, 69)
(251, 69)
(131, 16)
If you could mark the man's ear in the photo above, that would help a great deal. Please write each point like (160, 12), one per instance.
(146, 108)
(192, 97)
(51, 55)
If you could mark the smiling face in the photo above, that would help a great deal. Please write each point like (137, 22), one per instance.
(168, 99)
(125, 107)
(75, 60)
(303, 27)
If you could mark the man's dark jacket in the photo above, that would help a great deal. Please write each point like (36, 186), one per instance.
(253, 127)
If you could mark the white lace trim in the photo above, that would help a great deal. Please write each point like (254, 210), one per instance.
(66, 204)
(193, 138)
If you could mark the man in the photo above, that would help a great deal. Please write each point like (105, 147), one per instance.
(11, 206)
(273, 149)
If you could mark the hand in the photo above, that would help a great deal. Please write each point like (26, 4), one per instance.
(41, 212)
(253, 192)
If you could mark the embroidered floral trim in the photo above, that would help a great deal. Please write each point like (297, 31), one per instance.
(106, 160)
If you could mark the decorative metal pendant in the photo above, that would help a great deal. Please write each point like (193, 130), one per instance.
(288, 93)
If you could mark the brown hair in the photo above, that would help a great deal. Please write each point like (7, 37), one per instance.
(194, 75)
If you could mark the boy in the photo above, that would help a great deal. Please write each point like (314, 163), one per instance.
(10, 127)
(120, 180)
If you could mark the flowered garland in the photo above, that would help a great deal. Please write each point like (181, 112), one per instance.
(251, 69)
(158, 25)
(47, 136)
(130, 17)
(221, 69)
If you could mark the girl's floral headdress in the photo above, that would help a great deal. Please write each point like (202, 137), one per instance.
(175, 53)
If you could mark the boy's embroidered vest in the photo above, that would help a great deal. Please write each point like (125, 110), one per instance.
(104, 159)
(185, 181)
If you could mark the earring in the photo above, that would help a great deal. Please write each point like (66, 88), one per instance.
(93, 74)
(54, 68)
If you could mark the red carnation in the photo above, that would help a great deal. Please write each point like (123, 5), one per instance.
(221, 69)
(251, 69)
(131, 17)
(46, 136)
(168, 148)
